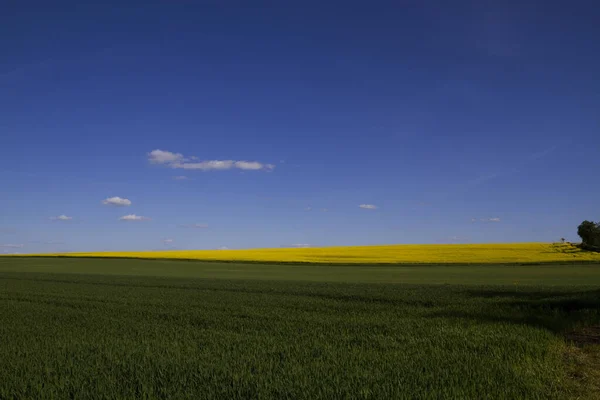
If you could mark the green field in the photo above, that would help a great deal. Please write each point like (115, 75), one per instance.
(93, 328)
(546, 274)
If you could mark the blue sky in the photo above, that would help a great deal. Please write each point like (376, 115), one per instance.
(469, 122)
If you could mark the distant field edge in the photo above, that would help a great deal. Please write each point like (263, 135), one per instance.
(316, 263)
(458, 254)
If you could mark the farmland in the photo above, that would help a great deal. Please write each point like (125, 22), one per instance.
(387, 254)
(89, 328)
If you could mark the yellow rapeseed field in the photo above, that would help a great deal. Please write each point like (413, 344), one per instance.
(385, 254)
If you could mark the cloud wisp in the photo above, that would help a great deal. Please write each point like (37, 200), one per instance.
(493, 219)
(194, 226)
(164, 157)
(61, 218)
(133, 217)
(512, 169)
(117, 202)
(368, 206)
(11, 246)
(179, 161)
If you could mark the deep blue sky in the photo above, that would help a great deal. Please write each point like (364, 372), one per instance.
(465, 121)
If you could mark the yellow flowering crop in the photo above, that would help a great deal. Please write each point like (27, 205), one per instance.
(385, 254)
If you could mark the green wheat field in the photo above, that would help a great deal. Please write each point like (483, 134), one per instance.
(161, 329)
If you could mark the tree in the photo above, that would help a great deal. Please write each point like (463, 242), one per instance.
(589, 232)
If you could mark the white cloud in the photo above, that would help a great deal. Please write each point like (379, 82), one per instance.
(164, 157)
(179, 161)
(368, 206)
(309, 208)
(133, 217)
(196, 226)
(166, 241)
(117, 201)
(205, 165)
(300, 245)
(223, 248)
(248, 165)
(11, 246)
(180, 178)
(61, 218)
(324, 209)
(495, 219)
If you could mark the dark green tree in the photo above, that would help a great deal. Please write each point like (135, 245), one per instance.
(589, 232)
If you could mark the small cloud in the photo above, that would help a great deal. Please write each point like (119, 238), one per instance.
(61, 218)
(167, 241)
(117, 201)
(11, 246)
(54, 242)
(495, 219)
(324, 209)
(543, 153)
(309, 208)
(482, 179)
(223, 248)
(180, 178)
(249, 165)
(205, 165)
(452, 239)
(195, 226)
(179, 161)
(301, 245)
(368, 206)
(133, 217)
(253, 166)
(164, 157)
